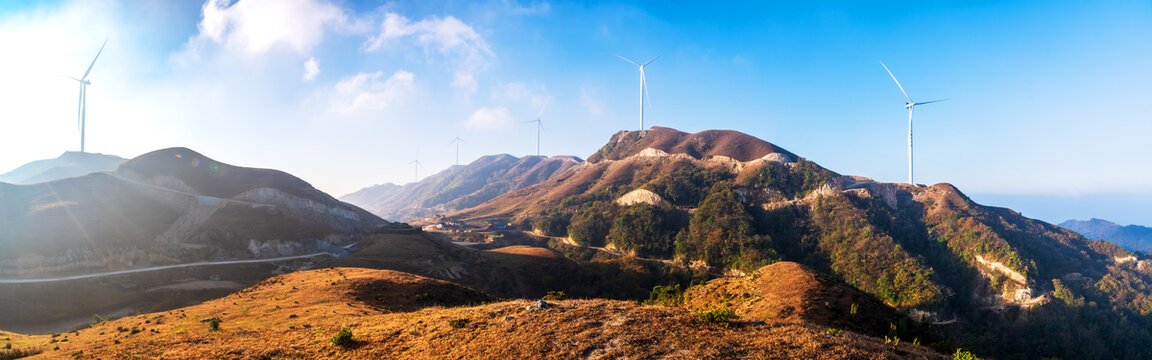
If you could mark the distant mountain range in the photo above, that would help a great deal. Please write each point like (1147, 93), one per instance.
(459, 187)
(1131, 237)
(69, 164)
(167, 206)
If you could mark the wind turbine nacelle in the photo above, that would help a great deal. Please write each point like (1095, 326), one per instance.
(909, 105)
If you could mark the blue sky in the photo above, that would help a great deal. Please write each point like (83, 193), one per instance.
(1049, 99)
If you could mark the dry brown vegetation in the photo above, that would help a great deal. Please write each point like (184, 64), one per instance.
(790, 292)
(296, 315)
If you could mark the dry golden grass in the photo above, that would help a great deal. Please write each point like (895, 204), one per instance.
(790, 292)
(295, 316)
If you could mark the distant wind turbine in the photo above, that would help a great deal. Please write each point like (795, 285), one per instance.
(83, 106)
(457, 141)
(539, 126)
(643, 84)
(910, 105)
(416, 165)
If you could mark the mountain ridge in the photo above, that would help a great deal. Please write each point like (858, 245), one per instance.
(1131, 237)
(459, 186)
(68, 164)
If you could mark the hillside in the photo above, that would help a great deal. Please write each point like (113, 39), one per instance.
(69, 164)
(168, 207)
(458, 187)
(401, 316)
(790, 292)
(727, 202)
(1131, 237)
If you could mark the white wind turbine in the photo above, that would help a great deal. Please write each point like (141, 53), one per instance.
(539, 126)
(83, 106)
(910, 105)
(457, 141)
(643, 84)
(416, 165)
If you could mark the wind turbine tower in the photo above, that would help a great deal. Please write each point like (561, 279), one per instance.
(643, 84)
(539, 126)
(457, 141)
(83, 106)
(910, 105)
(416, 165)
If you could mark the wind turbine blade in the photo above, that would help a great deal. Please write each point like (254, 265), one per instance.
(94, 60)
(626, 59)
(654, 59)
(897, 81)
(77, 80)
(933, 101)
(542, 110)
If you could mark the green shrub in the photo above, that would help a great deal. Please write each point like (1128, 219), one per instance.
(425, 297)
(9, 353)
(589, 226)
(555, 295)
(716, 316)
(97, 320)
(214, 324)
(551, 224)
(648, 230)
(964, 355)
(343, 338)
(459, 323)
(672, 295)
(834, 332)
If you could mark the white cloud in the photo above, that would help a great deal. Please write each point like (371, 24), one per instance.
(591, 104)
(490, 118)
(368, 92)
(311, 69)
(534, 96)
(449, 38)
(536, 9)
(259, 26)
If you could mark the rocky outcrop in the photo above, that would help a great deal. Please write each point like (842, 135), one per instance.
(640, 196)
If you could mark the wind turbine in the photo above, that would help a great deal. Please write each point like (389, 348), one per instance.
(910, 105)
(457, 141)
(416, 165)
(539, 126)
(643, 84)
(83, 106)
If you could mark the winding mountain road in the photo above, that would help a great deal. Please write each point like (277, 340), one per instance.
(122, 272)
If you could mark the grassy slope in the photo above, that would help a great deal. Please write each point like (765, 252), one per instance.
(295, 315)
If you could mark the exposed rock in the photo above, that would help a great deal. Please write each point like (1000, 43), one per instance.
(539, 304)
(639, 196)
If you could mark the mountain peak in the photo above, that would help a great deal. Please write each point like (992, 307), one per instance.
(729, 143)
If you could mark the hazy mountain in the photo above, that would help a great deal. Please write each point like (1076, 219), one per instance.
(69, 164)
(726, 201)
(168, 206)
(459, 187)
(172, 206)
(1131, 237)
